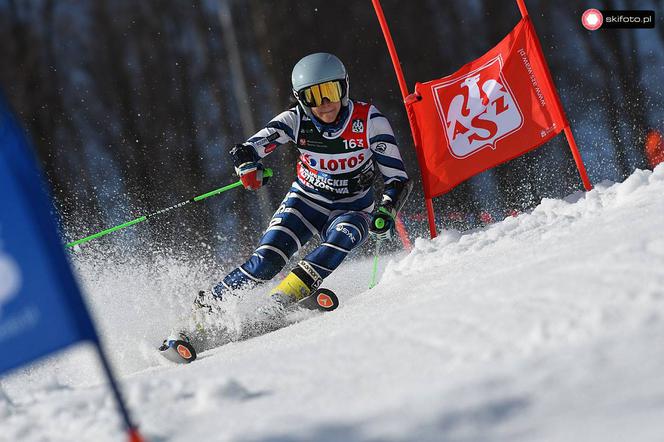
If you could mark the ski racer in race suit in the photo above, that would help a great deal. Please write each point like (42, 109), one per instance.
(338, 139)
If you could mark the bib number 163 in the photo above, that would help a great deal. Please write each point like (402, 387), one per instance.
(353, 143)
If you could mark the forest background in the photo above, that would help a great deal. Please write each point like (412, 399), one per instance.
(134, 105)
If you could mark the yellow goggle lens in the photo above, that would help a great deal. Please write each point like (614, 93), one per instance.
(313, 95)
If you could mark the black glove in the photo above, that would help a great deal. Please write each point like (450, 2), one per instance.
(382, 222)
(248, 167)
(243, 153)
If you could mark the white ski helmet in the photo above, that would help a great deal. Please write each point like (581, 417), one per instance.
(315, 69)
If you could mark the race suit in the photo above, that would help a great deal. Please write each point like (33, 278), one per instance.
(332, 196)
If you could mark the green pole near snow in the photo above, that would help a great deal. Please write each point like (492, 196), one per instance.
(266, 174)
(374, 272)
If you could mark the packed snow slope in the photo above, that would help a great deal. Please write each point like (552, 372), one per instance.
(544, 327)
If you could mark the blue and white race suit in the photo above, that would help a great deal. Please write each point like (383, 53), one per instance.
(332, 196)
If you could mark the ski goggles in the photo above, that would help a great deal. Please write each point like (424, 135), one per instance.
(312, 96)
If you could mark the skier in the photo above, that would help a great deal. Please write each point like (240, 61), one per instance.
(338, 139)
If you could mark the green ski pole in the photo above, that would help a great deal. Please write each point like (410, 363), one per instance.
(374, 272)
(379, 223)
(266, 174)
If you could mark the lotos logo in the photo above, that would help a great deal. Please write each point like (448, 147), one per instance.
(478, 109)
(306, 158)
(333, 164)
(10, 279)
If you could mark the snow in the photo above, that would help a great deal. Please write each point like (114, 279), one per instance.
(548, 326)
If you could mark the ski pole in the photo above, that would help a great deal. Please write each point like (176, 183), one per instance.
(266, 174)
(374, 273)
(379, 223)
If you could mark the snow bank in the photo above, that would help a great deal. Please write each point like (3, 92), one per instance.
(543, 327)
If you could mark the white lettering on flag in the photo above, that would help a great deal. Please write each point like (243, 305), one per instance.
(477, 109)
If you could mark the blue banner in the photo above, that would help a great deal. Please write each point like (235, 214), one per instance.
(41, 309)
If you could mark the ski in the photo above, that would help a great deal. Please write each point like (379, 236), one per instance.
(322, 299)
(179, 349)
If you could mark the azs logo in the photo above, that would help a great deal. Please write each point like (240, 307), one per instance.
(333, 164)
(477, 109)
(10, 279)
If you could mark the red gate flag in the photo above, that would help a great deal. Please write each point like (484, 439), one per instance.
(492, 110)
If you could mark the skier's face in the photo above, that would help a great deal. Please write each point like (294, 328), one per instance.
(328, 111)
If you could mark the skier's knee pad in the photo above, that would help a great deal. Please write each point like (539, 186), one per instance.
(348, 231)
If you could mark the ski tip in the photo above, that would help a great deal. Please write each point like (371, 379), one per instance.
(322, 299)
(326, 300)
(178, 350)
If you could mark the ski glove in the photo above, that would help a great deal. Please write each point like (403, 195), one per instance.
(382, 223)
(251, 175)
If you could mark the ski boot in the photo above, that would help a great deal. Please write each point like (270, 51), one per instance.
(301, 287)
(301, 282)
(206, 302)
